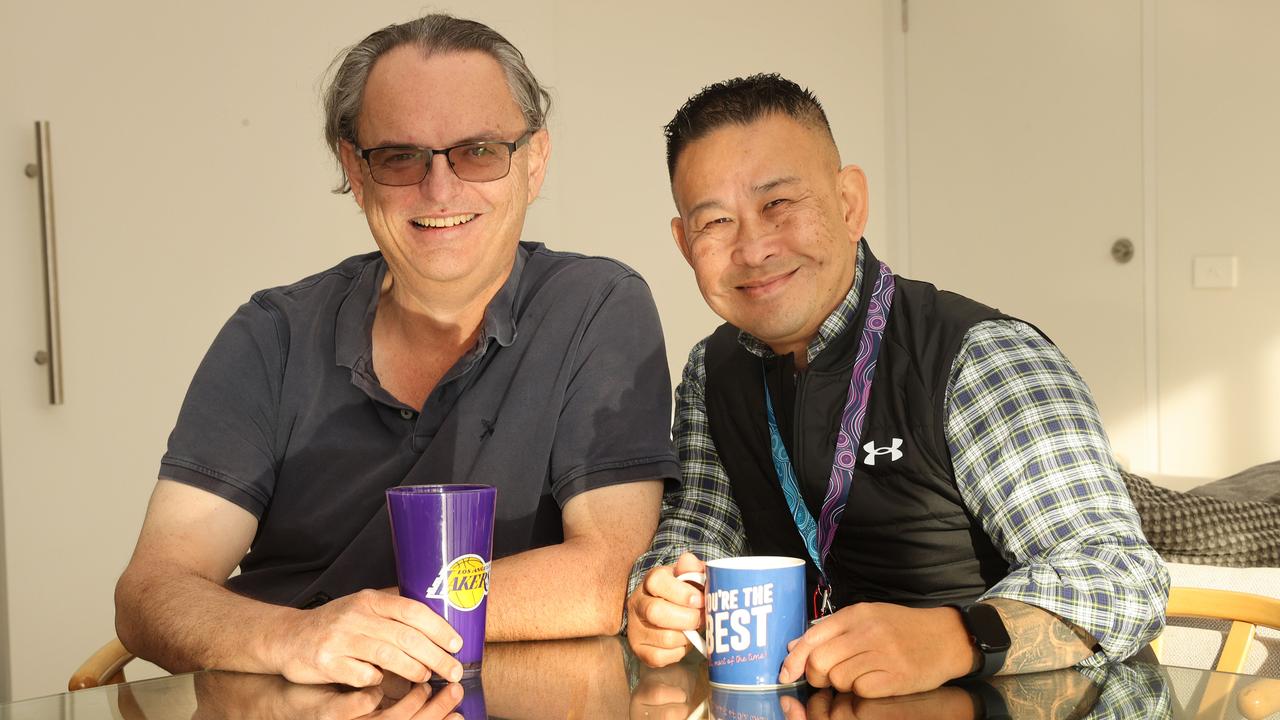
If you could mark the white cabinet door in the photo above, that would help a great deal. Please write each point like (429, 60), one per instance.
(1024, 139)
(189, 172)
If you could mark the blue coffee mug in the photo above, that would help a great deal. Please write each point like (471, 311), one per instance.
(754, 607)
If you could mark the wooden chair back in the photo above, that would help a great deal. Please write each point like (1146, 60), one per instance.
(1245, 611)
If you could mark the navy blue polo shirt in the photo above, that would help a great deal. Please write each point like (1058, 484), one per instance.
(566, 390)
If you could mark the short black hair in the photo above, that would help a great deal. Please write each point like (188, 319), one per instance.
(740, 101)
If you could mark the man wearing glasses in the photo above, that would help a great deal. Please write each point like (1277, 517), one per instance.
(456, 353)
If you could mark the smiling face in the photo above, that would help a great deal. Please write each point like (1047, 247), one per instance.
(770, 224)
(444, 231)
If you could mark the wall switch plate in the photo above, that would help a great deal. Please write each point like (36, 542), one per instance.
(1214, 271)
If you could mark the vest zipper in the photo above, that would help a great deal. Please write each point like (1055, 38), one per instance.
(797, 435)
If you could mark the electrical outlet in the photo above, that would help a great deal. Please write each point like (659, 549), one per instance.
(1214, 271)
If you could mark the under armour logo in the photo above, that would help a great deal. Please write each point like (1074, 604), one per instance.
(892, 450)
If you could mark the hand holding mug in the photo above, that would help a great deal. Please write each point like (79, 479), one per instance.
(661, 608)
(754, 608)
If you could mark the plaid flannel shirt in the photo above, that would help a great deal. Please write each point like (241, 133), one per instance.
(1031, 461)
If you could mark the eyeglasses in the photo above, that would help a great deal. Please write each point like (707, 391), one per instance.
(399, 165)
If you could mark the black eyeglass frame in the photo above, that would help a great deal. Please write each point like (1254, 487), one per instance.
(431, 153)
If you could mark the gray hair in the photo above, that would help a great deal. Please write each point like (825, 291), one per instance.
(432, 33)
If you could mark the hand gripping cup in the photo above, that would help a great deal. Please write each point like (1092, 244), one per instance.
(443, 541)
(754, 606)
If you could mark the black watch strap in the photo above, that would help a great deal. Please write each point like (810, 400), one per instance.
(987, 633)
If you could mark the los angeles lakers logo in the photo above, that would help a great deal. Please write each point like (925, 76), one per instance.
(463, 583)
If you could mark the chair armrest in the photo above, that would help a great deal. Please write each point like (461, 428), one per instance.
(104, 667)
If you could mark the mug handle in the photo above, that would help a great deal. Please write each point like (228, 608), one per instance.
(695, 638)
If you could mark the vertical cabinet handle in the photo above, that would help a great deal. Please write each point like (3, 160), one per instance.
(51, 356)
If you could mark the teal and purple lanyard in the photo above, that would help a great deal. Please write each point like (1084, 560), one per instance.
(818, 535)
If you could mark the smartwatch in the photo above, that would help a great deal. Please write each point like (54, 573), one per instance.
(987, 633)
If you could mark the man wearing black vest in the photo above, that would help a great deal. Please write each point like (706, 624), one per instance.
(940, 466)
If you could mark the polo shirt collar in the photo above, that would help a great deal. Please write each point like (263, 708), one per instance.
(353, 326)
(500, 315)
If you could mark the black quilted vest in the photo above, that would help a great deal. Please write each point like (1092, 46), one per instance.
(906, 536)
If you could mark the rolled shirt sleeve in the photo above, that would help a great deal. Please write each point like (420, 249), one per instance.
(1033, 463)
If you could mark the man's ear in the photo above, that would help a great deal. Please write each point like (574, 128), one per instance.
(852, 186)
(539, 153)
(682, 242)
(352, 166)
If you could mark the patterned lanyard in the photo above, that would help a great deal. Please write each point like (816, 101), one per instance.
(818, 535)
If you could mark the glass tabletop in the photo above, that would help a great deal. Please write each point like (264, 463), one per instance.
(600, 678)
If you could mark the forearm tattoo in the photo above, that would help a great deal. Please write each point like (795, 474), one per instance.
(1039, 639)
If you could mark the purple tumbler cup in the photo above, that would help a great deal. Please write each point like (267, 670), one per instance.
(443, 541)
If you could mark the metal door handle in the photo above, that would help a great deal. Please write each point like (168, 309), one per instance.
(42, 170)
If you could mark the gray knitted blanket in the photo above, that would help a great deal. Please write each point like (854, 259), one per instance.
(1203, 530)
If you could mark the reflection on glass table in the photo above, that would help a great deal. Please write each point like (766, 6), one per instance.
(599, 678)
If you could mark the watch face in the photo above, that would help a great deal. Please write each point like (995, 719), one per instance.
(987, 628)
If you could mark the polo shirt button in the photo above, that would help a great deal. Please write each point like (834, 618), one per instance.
(406, 414)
